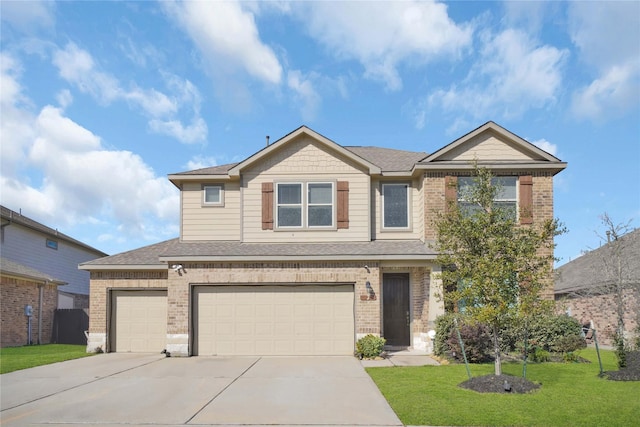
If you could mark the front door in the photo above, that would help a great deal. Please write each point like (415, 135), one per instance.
(395, 309)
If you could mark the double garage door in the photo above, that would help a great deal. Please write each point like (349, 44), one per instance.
(273, 320)
(242, 320)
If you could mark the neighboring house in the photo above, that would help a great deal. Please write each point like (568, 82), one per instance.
(29, 298)
(585, 287)
(303, 248)
(44, 249)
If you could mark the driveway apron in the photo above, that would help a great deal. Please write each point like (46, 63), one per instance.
(126, 389)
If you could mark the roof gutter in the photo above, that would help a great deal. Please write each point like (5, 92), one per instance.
(290, 258)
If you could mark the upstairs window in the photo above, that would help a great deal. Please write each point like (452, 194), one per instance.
(212, 195)
(506, 199)
(395, 206)
(305, 205)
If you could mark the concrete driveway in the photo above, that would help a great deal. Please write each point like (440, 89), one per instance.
(134, 389)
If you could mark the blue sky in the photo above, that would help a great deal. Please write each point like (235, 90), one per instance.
(101, 100)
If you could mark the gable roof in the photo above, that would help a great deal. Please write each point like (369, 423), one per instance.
(12, 268)
(303, 130)
(588, 270)
(12, 217)
(377, 160)
(536, 158)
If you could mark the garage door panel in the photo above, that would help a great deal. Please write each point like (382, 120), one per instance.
(139, 321)
(273, 320)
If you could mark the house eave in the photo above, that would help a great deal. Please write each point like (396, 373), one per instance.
(293, 258)
(501, 166)
(136, 267)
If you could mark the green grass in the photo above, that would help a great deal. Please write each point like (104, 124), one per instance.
(16, 358)
(571, 395)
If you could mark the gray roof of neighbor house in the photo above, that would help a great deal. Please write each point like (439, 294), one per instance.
(589, 271)
(155, 256)
(13, 268)
(9, 216)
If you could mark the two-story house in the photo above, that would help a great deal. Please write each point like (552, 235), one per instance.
(45, 249)
(304, 247)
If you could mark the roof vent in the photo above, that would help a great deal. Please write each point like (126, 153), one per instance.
(267, 140)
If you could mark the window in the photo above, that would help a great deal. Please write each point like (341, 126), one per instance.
(395, 206)
(305, 205)
(212, 195)
(506, 199)
(52, 244)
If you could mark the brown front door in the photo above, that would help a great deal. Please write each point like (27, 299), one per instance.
(395, 309)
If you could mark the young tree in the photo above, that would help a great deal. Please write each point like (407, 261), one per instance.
(495, 268)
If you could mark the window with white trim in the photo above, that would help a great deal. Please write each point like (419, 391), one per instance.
(212, 195)
(395, 206)
(305, 204)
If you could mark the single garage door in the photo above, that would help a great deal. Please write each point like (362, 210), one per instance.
(273, 320)
(138, 321)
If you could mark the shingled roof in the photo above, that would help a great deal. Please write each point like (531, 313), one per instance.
(13, 268)
(388, 159)
(155, 256)
(588, 271)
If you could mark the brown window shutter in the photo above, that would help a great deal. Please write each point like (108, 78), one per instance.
(343, 204)
(526, 199)
(450, 191)
(267, 205)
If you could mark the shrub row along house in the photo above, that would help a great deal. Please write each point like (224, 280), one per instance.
(304, 247)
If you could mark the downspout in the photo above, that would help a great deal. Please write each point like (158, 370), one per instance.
(40, 298)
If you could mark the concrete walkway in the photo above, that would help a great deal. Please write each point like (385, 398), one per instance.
(132, 389)
(401, 358)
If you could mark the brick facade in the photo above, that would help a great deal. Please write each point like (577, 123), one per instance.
(601, 310)
(367, 310)
(15, 294)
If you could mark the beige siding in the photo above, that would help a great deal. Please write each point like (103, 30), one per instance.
(210, 222)
(416, 217)
(486, 147)
(306, 160)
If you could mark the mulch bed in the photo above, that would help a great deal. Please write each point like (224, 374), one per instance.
(629, 373)
(500, 384)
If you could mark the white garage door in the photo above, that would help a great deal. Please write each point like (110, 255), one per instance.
(273, 320)
(139, 321)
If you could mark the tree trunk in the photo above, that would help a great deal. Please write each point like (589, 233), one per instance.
(496, 348)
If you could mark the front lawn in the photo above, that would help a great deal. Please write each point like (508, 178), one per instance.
(571, 394)
(16, 358)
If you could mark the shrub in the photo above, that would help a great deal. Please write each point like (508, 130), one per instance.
(444, 326)
(551, 332)
(370, 346)
(477, 341)
(620, 350)
(570, 357)
(540, 355)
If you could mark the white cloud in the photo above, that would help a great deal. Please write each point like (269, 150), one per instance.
(305, 93)
(227, 36)
(612, 93)
(546, 146)
(78, 67)
(51, 164)
(196, 131)
(512, 74)
(608, 38)
(384, 35)
(200, 162)
(28, 16)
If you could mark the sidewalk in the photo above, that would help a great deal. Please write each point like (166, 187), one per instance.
(401, 358)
